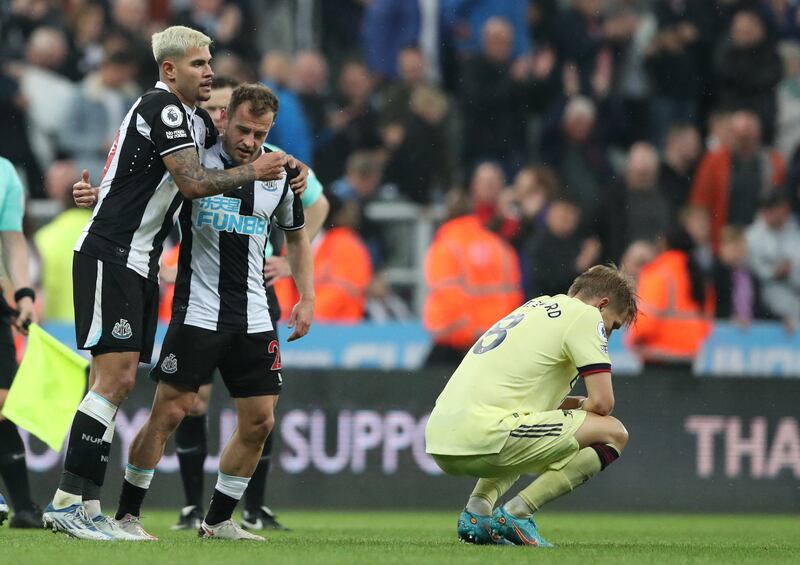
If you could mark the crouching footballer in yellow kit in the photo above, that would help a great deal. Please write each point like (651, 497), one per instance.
(506, 412)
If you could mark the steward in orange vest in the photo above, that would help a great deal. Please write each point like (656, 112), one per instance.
(342, 270)
(473, 279)
(676, 309)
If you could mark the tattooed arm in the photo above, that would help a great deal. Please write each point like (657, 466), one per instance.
(194, 181)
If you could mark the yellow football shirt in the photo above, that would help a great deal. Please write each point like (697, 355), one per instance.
(527, 362)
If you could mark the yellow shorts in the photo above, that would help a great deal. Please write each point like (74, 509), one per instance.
(537, 442)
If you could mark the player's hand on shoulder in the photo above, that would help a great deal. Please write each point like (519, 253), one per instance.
(301, 318)
(298, 182)
(269, 166)
(82, 192)
(276, 268)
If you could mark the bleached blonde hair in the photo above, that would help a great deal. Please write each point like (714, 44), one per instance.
(174, 41)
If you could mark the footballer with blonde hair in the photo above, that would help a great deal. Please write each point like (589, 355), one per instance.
(507, 412)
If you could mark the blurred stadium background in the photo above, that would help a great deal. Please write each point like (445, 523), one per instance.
(482, 152)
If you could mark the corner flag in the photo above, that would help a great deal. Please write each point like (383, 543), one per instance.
(49, 385)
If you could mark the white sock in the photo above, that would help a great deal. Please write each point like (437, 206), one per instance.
(139, 477)
(232, 486)
(98, 408)
(518, 508)
(92, 508)
(63, 499)
(478, 505)
(108, 437)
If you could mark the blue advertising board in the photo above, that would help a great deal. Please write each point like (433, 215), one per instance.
(762, 349)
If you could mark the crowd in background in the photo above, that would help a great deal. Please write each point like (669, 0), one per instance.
(570, 132)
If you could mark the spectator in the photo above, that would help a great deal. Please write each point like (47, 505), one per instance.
(557, 253)
(636, 257)
(131, 15)
(580, 159)
(231, 65)
(639, 209)
(362, 178)
(388, 27)
(720, 132)
(419, 160)
(222, 20)
(290, 131)
(630, 28)
(493, 94)
(682, 151)
(533, 189)
(383, 304)
(86, 33)
(342, 269)
(737, 290)
(20, 19)
(60, 176)
(14, 143)
(55, 241)
(774, 245)
(473, 279)
(309, 81)
(465, 20)
(674, 62)
(788, 138)
(130, 32)
(674, 304)
(363, 175)
(786, 13)
(579, 37)
(352, 126)
(40, 85)
(395, 106)
(487, 190)
(748, 69)
(730, 180)
(341, 33)
(697, 223)
(96, 111)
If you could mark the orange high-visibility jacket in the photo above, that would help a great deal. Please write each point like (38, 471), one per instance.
(168, 259)
(671, 325)
(711, 187)
(342, 273)
(473, 280)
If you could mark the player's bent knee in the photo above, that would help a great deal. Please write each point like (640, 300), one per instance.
(619, 435)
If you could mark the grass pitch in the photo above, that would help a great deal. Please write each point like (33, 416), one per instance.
(429, 537)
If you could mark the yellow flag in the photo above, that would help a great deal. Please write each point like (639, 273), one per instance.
(49, 385)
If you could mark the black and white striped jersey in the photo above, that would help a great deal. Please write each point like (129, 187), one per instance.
(220, 283)
(139, 202)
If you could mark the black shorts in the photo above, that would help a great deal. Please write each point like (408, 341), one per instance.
(274, 315)
(250, 364)
(116, 309)
(8, 356)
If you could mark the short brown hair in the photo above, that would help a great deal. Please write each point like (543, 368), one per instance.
(547, 178)
(608, 281)
(731, 234)
(260, 97)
